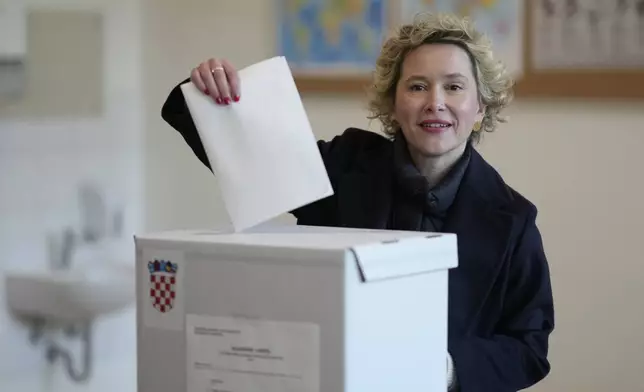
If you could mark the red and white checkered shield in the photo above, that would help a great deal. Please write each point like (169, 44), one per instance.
(163, 286)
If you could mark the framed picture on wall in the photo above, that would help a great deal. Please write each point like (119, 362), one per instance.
(331, 45)
(500, 20)
(584, 49)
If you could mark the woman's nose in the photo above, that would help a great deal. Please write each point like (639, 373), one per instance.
(435, 101)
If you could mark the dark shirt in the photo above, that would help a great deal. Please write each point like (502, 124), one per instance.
(418, 206)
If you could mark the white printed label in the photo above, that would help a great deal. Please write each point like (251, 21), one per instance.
(162, 289)
(241, 355)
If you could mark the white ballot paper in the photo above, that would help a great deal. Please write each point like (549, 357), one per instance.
(262, 148)
(239, 355)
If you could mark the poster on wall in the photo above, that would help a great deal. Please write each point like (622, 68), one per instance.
(500, 20)
(327, 38)
(607, 34)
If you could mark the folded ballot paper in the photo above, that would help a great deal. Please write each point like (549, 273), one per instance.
(262, 148)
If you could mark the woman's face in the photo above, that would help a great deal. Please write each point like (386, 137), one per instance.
(437, 103)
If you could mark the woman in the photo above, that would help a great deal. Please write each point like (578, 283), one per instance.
(436, 89)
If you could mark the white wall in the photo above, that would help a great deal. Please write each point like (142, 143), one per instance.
(180, 34)
(578, 162)
(42, 161)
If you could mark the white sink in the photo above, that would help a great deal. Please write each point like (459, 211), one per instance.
(78, 294)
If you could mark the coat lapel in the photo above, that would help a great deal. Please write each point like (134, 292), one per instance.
(483, 230)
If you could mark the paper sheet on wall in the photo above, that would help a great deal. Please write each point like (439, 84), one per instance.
(241, 355)
(607, 34)
(262, 148)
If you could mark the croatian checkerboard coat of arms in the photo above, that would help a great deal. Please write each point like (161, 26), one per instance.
(163, 283)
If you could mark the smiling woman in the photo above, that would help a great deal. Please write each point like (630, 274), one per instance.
(456, 77)
(437, 87)
(437, 105)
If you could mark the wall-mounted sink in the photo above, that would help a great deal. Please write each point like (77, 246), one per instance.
(71, 295)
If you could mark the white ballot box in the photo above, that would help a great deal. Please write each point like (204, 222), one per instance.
(293, 309)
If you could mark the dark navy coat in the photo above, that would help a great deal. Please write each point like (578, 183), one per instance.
(501, 309)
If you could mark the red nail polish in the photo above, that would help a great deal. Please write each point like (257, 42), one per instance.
(218, 100)
(236, 98)
(226, 100)
(207, 92)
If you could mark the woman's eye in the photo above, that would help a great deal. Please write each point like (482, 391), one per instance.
(455, 87)
(417, 87)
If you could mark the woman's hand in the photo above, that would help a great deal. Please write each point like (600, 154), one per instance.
(218, 79)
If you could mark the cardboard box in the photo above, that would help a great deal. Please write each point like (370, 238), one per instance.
(293, 308)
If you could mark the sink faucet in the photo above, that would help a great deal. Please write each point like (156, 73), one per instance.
(95, 226)
(67, 248)
(61, 249)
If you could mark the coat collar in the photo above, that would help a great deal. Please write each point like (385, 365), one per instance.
(412, 187)
(366, 197)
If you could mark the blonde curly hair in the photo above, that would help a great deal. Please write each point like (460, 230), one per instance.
(494, 82)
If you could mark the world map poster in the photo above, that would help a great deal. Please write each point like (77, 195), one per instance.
(331, 36)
